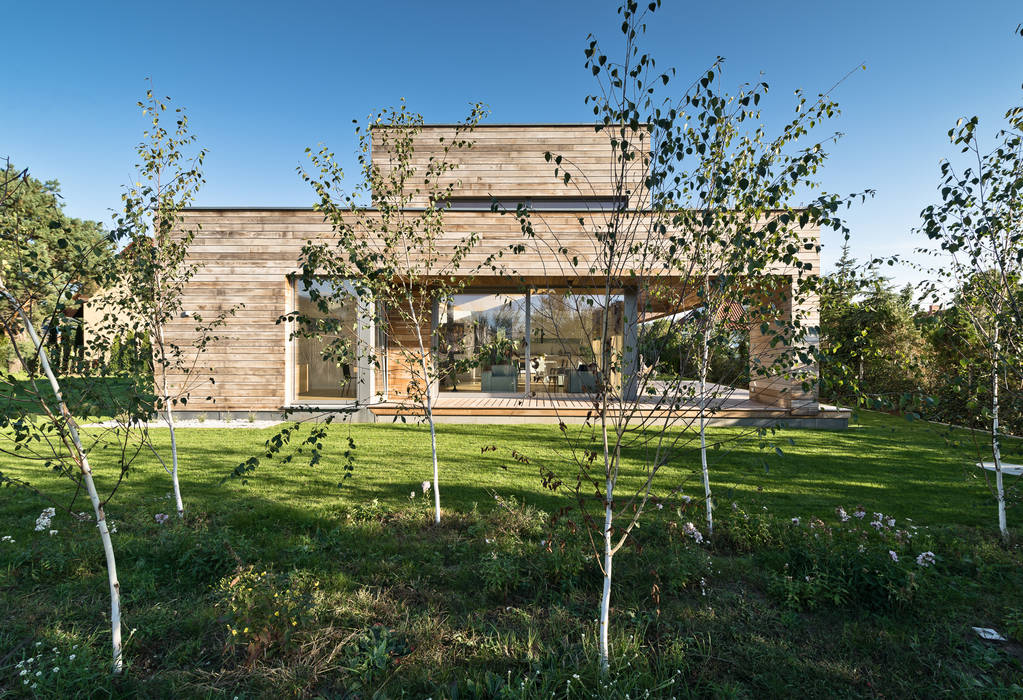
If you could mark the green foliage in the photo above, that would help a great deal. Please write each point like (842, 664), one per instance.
(263, 610)
(66, 670)
(48, 259)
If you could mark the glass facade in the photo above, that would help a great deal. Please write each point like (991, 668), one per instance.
(566, 353)
(325, 349)
(481, 343)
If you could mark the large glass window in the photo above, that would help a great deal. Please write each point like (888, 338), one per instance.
(566, 352)
(481, 343)
(325, 343)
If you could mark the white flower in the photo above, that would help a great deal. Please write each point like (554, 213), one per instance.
(891, 522)
(161, 518)
(686, 499)
(926, 559)
(660, 506)
(690, 530)
(7, 538)
(53, 532)
(56, 669)
(893, 555)
(575, 676)
(860, 513)
(842, 515)
(795, 521)
(426, 486)
(72, 657)
(43, 521)
(24, 672)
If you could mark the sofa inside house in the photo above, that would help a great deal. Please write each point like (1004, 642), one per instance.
(500, 378)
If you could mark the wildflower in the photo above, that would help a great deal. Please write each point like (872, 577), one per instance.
(690, 530)
(660, 506)
(56, 669)
(72, 657)
(842, 515)
(53, 532)
(876, 524)
(24, 672)
(890, 522)
(860, 513)
(43, 521)
(926, 559)
(893, 555)
(575, 676)
(686, 499)
(161, 518)
(795, 521)
(7, 538)
(426, 486)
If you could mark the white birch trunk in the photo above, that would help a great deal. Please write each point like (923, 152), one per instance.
(708, 499)
(995, 446)
(429, 410)
(169, 417)
(436, 466)
(174, 462)
(90, 487)
(605, 596)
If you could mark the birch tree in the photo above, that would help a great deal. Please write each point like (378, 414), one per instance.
(154, 270)
(393, 258)
(701, 218)
(976, 234)
(38, 423)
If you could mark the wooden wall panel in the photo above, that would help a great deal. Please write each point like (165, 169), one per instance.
(508, 161)
(247, 256)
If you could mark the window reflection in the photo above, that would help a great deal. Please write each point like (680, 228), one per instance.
(326, 355)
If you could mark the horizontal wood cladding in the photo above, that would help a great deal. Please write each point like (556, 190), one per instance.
(246, 257)
(255, 247)
(509, 161)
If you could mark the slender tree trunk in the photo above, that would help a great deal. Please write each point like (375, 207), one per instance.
(995, 446)
(704, 362)
(179, 504)
(433, 448)
(169, 417)
(605, 596)
(429, 410)
(90, 487)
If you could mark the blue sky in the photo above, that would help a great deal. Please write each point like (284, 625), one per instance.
(262, 81)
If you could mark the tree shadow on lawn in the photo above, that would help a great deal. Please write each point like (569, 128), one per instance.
(88, 398)
(885, 465)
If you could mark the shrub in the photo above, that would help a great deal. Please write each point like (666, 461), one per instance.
(263, 610)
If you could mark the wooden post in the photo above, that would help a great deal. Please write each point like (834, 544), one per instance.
(630, 345)
(529, 340)
(365, 391)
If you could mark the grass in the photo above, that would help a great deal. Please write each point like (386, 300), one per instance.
(386, 605)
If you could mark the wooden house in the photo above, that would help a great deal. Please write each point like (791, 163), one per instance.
(533, 343)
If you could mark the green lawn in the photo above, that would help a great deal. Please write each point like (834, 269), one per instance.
(480, 608)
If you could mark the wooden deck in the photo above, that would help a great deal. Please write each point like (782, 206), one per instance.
(733, 407)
